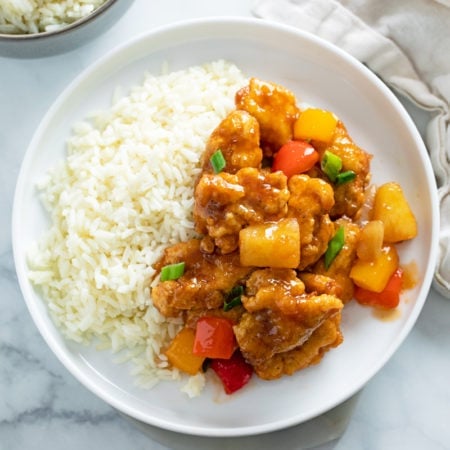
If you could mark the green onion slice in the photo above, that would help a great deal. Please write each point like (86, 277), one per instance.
(345, 177)
(233, 298)
(172, 271)
(331, 165)
(334, 247)
(217, 160)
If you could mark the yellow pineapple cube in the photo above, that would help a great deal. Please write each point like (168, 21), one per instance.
(273, 244)
(371, 239)
(375, 274)
(391, 207)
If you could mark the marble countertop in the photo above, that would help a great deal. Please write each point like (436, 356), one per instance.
(405, 406)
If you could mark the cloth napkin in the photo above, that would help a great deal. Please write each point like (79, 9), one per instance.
(406, 43)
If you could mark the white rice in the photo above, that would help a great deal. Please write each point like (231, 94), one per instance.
(124, 193)
(35, 16)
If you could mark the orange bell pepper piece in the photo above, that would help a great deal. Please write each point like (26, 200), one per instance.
(295, 157)
(315, 124)
(214, 338)
(180, 353)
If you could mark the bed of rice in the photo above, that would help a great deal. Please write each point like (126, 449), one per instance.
(36, 16)
(123, 194)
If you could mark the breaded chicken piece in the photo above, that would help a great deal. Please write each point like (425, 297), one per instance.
(310, 202)
(320, 284)
(349, 197)
(278, 289)
(204, 284)
(274, 107)
(342, 264)
(281, 290)
(225, 203)
(237, 136)
(280, 317)
(324, 338)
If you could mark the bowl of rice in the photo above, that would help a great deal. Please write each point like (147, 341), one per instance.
(107, 184)
(40, 28)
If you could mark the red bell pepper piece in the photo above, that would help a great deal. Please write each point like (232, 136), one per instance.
(234, 372)
(214, 338)
(295, 157)
(388, 298)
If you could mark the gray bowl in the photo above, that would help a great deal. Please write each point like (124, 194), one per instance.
(65, 39)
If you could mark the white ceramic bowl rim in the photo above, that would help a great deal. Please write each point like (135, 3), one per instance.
(189, 28)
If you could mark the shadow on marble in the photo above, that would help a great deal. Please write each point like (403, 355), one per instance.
(315, 432)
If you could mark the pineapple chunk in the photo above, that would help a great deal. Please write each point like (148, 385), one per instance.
(391, 207)
(370, 241)
(374, 275)
(315, 124)
(274, 244)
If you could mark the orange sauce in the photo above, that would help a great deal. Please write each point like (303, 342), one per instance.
(386, 315)
(410, 275)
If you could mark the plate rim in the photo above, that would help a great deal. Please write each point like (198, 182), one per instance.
(184, 27)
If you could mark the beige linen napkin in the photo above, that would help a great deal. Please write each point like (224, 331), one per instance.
(407, 44)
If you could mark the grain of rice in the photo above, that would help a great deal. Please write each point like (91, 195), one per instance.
(36, 16)
(124, 193)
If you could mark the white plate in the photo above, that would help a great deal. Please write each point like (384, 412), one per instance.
(319, 74)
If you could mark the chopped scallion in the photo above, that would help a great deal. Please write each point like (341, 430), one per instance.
(233, 298)
(172, 271)
(231, 304)
(334, 247)
(218, 161)
(345, 177)
(331, 165)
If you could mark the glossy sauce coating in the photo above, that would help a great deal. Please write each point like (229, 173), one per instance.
(289, 318)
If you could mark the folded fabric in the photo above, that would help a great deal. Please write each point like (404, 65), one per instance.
(406, 44)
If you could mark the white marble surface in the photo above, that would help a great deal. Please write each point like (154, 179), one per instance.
(405, 406)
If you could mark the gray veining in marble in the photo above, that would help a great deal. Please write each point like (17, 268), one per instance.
(405, 406)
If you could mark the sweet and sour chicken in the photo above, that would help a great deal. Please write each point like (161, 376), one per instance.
(275, 250)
